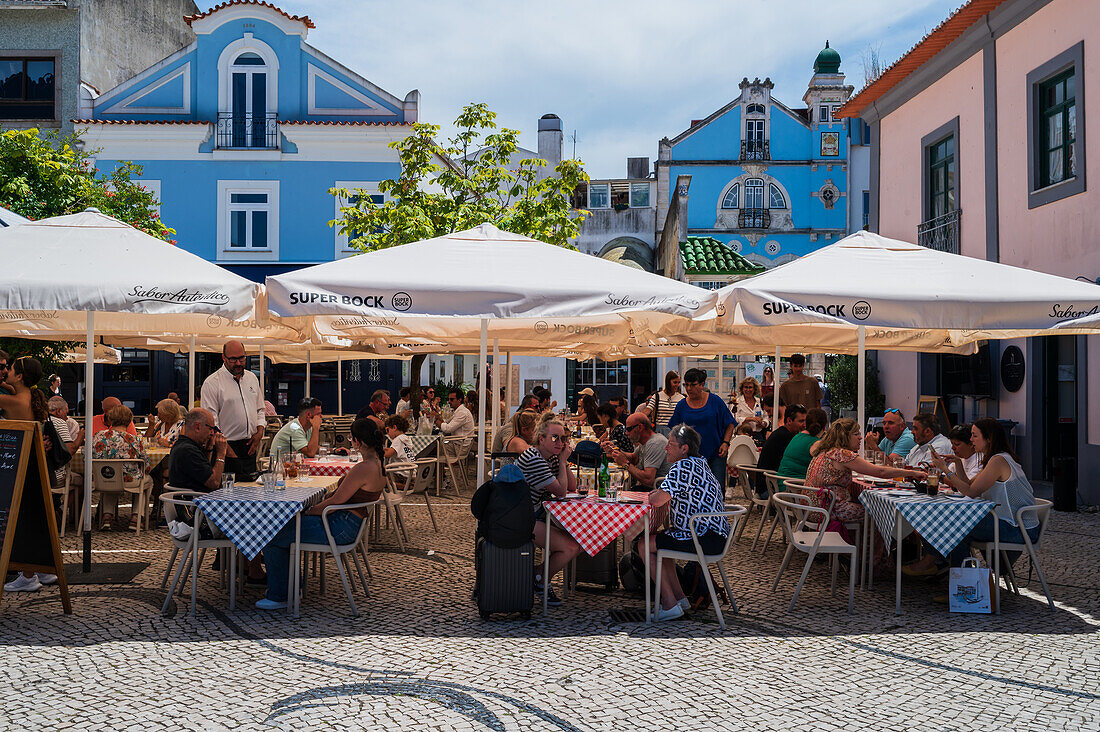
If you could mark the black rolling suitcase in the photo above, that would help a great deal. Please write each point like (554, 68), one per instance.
(602, 569)
(505, 579)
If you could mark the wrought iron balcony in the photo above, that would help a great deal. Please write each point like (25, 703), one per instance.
(755, 150)
(247, 131)
(941, 233)
(754, 218)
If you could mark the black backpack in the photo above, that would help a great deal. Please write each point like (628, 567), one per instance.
(502, 507)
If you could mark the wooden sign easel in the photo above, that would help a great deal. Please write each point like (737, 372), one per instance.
(28, 529)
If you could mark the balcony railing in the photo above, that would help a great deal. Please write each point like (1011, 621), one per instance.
(754, 218)
(755, 150)
(941, 233)
(248, 131)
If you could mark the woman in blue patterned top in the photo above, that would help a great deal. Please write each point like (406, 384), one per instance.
(692, 488)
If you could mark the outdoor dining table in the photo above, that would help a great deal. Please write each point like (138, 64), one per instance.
(328, 466)
(943, 521)
(594, 523)
(250, 516)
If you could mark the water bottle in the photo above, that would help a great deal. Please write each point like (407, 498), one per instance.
(280, 473)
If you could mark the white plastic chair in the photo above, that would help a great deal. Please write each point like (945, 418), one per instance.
(339, 552)
(172, 501)
(108, 476)
(797, 514)
(734, 513)
(455, 451)
(745, 475)
(65, 490)
(1041, 510)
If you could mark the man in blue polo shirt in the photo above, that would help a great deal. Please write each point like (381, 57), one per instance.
(898, 440)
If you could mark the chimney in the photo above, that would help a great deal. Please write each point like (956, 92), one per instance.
(637, 167)
(550, 139)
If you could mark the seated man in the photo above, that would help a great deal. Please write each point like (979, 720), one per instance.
(301, 434)
(927, 435)
(649, 460)
(60, 408)
(898, 442)
(191, 466)
(377, 408)
(771, 455)
(461, 423)
(99, 422)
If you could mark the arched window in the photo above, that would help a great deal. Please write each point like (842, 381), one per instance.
(776, 195)
(754, 193)
(755, 109)
(248, 122)
(732, 196)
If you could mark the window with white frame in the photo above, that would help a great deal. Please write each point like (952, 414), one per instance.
(639, 195)
(823, 113)
(370, 189)
(732, 197)
(599, 195)
(248, 219)
(754, 193)
(776, 196)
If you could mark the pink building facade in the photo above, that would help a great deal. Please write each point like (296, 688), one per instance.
(978, 146)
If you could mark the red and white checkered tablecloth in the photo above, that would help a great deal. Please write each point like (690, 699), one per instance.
(593, 523)
(328, 467)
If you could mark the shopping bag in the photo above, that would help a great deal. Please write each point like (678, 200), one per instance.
(970, 589)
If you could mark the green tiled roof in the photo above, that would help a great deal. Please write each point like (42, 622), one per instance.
(706, 255)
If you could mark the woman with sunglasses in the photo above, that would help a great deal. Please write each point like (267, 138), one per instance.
(708, 415)
(545, 467)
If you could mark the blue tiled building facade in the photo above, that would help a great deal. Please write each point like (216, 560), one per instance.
(770, 181)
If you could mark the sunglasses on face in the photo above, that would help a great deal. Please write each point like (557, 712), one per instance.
(556, 438)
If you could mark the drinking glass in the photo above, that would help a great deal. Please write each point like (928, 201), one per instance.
(322, 451)
(228, 480)
(353, 456)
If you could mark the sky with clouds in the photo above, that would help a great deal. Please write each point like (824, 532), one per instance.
(621, 74)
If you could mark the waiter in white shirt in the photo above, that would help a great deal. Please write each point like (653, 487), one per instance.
(232, 395)
(461, 423)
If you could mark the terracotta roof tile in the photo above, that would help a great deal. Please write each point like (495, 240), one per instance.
(935, 41)
(139, 122)
(189, 19)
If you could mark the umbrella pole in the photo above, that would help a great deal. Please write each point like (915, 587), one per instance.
(508, 387)
(495, 391)
(308, 379)
(89, 375)
(482, 356)
(340, 386)
(861, 379)
(777, 377)
(191, 373)
(263, 374)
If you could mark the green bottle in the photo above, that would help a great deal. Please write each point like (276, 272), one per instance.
(604, 479)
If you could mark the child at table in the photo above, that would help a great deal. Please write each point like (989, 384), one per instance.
(400, 449)
(364, 483)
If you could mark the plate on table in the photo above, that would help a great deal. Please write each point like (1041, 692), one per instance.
(899, 492)
(572, 495)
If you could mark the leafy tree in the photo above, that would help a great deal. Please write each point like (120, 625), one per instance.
(469, 180)
(51, 175)
(841, 377)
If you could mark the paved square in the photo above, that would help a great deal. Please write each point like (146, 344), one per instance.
(419, 657)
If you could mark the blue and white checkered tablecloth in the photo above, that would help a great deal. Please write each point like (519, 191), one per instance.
(942, 522)
(250, 516)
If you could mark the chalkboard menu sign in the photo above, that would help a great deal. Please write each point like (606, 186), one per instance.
(1012, 368)
(28, 529)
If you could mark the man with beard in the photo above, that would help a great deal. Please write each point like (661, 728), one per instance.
(232, 395)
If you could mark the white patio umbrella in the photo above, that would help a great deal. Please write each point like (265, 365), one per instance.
(10, 218)
(87, 273)
(100, 354)
(866, 282)
(478, 284)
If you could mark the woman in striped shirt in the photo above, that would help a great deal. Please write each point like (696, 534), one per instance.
(662, 404)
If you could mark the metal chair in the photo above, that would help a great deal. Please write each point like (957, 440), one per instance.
(797, 515)
(455, 451)
(1041, 509)
(745, 474)
(339, 552)
(737, 514)
(194, 547)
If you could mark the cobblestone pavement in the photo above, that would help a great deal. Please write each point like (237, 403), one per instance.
(419, 657)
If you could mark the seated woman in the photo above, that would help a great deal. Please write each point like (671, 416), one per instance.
(692, 489)
(834, 457)
(364, 483)
(524, 426)
(587, 408)
(966, 460)
(165, 427)
(1001, 479)
(551, 445)
(116, 443)
(614, 435)
(796, 458)
(749, 410)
